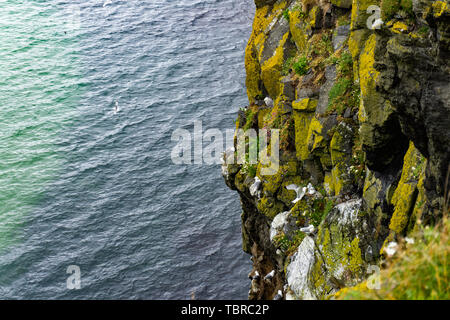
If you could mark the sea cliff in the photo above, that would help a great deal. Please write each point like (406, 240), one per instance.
(361, 100)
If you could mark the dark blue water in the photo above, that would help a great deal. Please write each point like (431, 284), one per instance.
(104, 194)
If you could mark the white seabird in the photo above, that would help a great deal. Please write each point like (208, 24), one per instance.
(255, 187)
(116, 108)
(256, 276)
(298, 190)
(268, 101)
(308, 230)
(311, 189)
(278, 296)
(391, 248)
(270, 275)
(377, 24)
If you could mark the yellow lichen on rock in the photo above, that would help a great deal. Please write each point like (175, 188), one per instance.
(252, 66)
(340, 158)
(306, 104)
(399, 27)
(360, 288)
(421, 199)
(355, 45)
(315, 135)
(355, 262)
(263, 117)
(389, 8)
(405, 195)
(298, 30)
(342, 3)
(329, 183)
(314, 16)
(264, 18)
(269, 207)
(302, 121)
(440, 8)
(367, 74)
(271, 69)
(359, 13)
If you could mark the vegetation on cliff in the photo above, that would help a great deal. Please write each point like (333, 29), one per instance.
(419, 270)
(363, 120)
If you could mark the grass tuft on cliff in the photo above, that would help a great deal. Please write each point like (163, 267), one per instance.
(301, 66)
(419, 271)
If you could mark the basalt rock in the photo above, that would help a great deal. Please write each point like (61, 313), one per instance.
(363, 116)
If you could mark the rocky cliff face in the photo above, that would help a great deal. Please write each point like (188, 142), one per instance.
(364, 126)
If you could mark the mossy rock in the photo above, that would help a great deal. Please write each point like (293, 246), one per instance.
(306, 105)
(389, 8)
(346, 4)
(299, 29)
(329, 184)
(252, 66)
(270, 207)
(271, 70)
(339, 253)
(399, 27)
(246, 243)
(315, 17)
(356, 42)
(359, 13)
(259, 44)
(315, 135)
(287, 196)
(371, 100)
(419, 206)
(302, 121)
(341, 155)
(440, 9)
(405, 195)
(372, 191)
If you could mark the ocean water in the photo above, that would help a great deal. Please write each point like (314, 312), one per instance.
(82, 185)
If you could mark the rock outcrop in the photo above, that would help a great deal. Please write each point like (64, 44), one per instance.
(364, 122)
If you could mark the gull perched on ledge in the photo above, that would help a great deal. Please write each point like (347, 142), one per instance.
(269, 102)
(254, 276)
(311, 190)
(377, 24)
(255, 187)
(270, 275)
(300, 191)
(308, 230)
(391, 248)
(278, 296)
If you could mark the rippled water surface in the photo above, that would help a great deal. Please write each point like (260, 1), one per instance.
(81, 185)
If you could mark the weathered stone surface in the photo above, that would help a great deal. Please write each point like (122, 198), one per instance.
(298, 270)
(330, 76)
(342, 3)
(340, 35)
(377, 154)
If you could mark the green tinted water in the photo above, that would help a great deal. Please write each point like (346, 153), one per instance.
(39, 90)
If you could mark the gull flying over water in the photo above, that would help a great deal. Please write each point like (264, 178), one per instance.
(116, 108)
